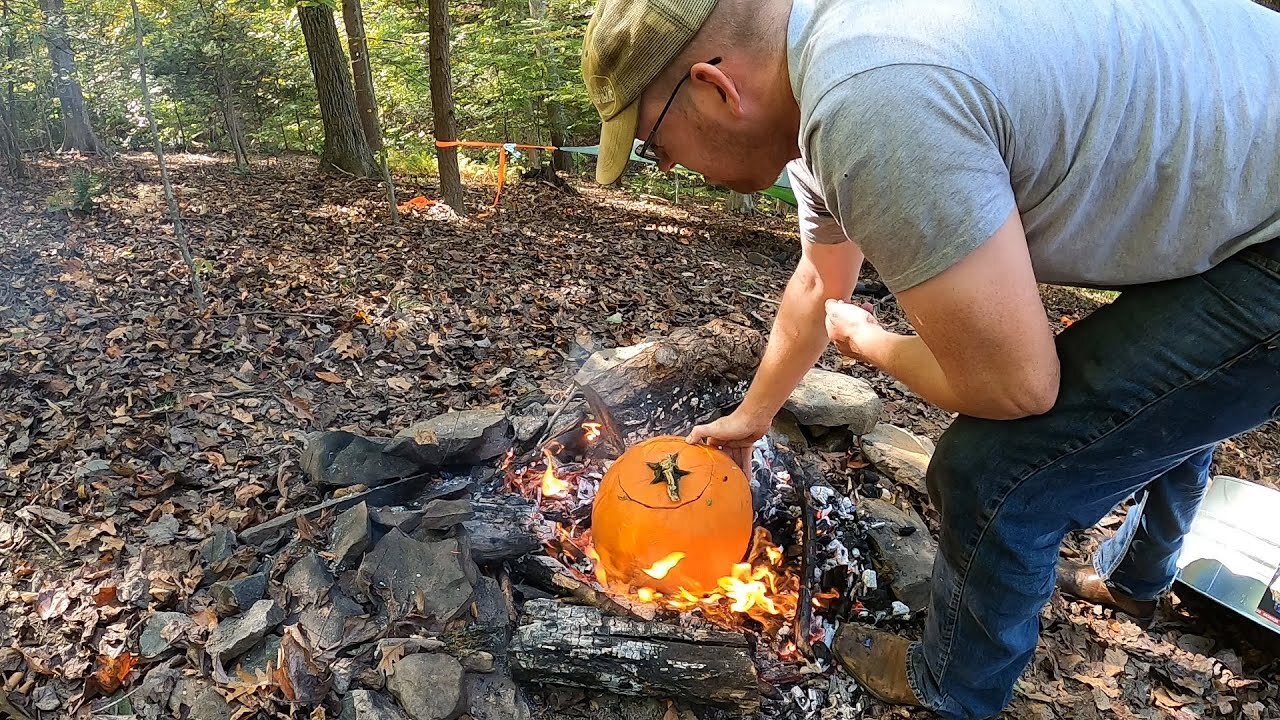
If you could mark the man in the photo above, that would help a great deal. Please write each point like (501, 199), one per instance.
(970, 149)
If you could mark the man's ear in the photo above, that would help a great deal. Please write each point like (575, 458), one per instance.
(714, 77)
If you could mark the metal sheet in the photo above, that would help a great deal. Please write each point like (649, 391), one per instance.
(1232, 554)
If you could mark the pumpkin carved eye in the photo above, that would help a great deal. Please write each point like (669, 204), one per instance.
(660, 500)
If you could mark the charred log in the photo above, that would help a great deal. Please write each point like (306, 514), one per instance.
(667, 385)
(581, 646)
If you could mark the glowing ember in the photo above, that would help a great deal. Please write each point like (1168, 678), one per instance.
(591, 431)
(663, 566)
(647, 594)
(552, 486)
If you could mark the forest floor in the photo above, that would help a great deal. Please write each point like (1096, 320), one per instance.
(123, 409)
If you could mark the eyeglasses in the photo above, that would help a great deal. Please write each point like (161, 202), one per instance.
(646, 150)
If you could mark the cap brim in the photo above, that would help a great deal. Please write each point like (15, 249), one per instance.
(617, 136)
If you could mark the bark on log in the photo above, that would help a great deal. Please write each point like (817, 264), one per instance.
(666, 385)
(581, 646)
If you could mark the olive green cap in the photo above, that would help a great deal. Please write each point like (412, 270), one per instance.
(627, 45)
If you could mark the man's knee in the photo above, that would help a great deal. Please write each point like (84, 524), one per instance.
(961, 464)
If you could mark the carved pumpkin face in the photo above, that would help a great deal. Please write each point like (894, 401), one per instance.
(666, 496)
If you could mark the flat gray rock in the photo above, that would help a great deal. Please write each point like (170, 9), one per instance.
(428, 686)
(786, 431)
(326, 623)
(218, 546)
(833, 399)
(235, 635)
(495, 696)
(350, 535)
(159, 631)
(265, 651)
(233, 596)
(900, 455)
(903, 548)
(476, 660)
(340, 459)
(198, 699)
(444, 514)
(399, 518)
(369, 705)
(465, 437)
(309, 579)
(428, 575)
(529, 422)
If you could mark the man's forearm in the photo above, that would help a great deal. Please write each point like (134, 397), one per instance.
(907, 358)
(795, 343)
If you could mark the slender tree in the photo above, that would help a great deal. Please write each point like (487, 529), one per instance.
(552, 110)
(366, 99)
(175, 213)
(345, 147)
(10, 147)
(77, 130)
(446, 125)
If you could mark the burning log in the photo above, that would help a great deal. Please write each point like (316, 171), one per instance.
(803, 481)
(667, 385)
(551, 575)
(581, 646)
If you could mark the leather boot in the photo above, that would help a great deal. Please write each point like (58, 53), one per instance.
(878, 660)
(1082, 581)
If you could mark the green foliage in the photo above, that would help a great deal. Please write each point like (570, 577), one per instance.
(511, 72)
(84, 187)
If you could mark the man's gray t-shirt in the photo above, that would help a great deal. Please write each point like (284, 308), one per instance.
(1138, 139)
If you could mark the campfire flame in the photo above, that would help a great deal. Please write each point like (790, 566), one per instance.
(746, 590)
(660, 569)
(552, 486)
(591, 431)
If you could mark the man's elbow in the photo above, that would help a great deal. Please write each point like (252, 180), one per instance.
(1028, 397)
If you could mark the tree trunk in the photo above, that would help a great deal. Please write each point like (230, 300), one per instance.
(179, 231)
(553, 110)
(442, 104)
(77, 131)
(10, 147)
(742, 204)
(358, 46)
(231, 117)
(345, 148)
(366, 99)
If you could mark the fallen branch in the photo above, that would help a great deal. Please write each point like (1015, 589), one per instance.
(761, 298)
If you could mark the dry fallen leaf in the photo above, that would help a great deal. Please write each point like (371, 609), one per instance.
(330, 377)
(52, 603)
(300, 677)
(399, 383)
(106, 595)
(112, 671)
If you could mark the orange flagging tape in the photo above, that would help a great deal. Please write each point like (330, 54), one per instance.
(502, 156)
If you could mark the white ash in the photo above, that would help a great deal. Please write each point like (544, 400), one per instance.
(822, 494)
(900, 609)
(869, 580)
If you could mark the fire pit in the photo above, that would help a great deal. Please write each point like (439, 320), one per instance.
(466, 573)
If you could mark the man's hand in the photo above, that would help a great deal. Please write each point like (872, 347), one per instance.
(735, 434)
(848, 325)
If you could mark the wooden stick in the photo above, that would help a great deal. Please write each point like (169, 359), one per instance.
(761, 298)
(803, 623)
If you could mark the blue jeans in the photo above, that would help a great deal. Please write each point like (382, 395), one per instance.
(1150, 385)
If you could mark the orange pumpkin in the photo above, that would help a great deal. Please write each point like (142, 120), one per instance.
(665, 497)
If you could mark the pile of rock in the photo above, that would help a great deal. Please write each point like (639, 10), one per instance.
(375, 615)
